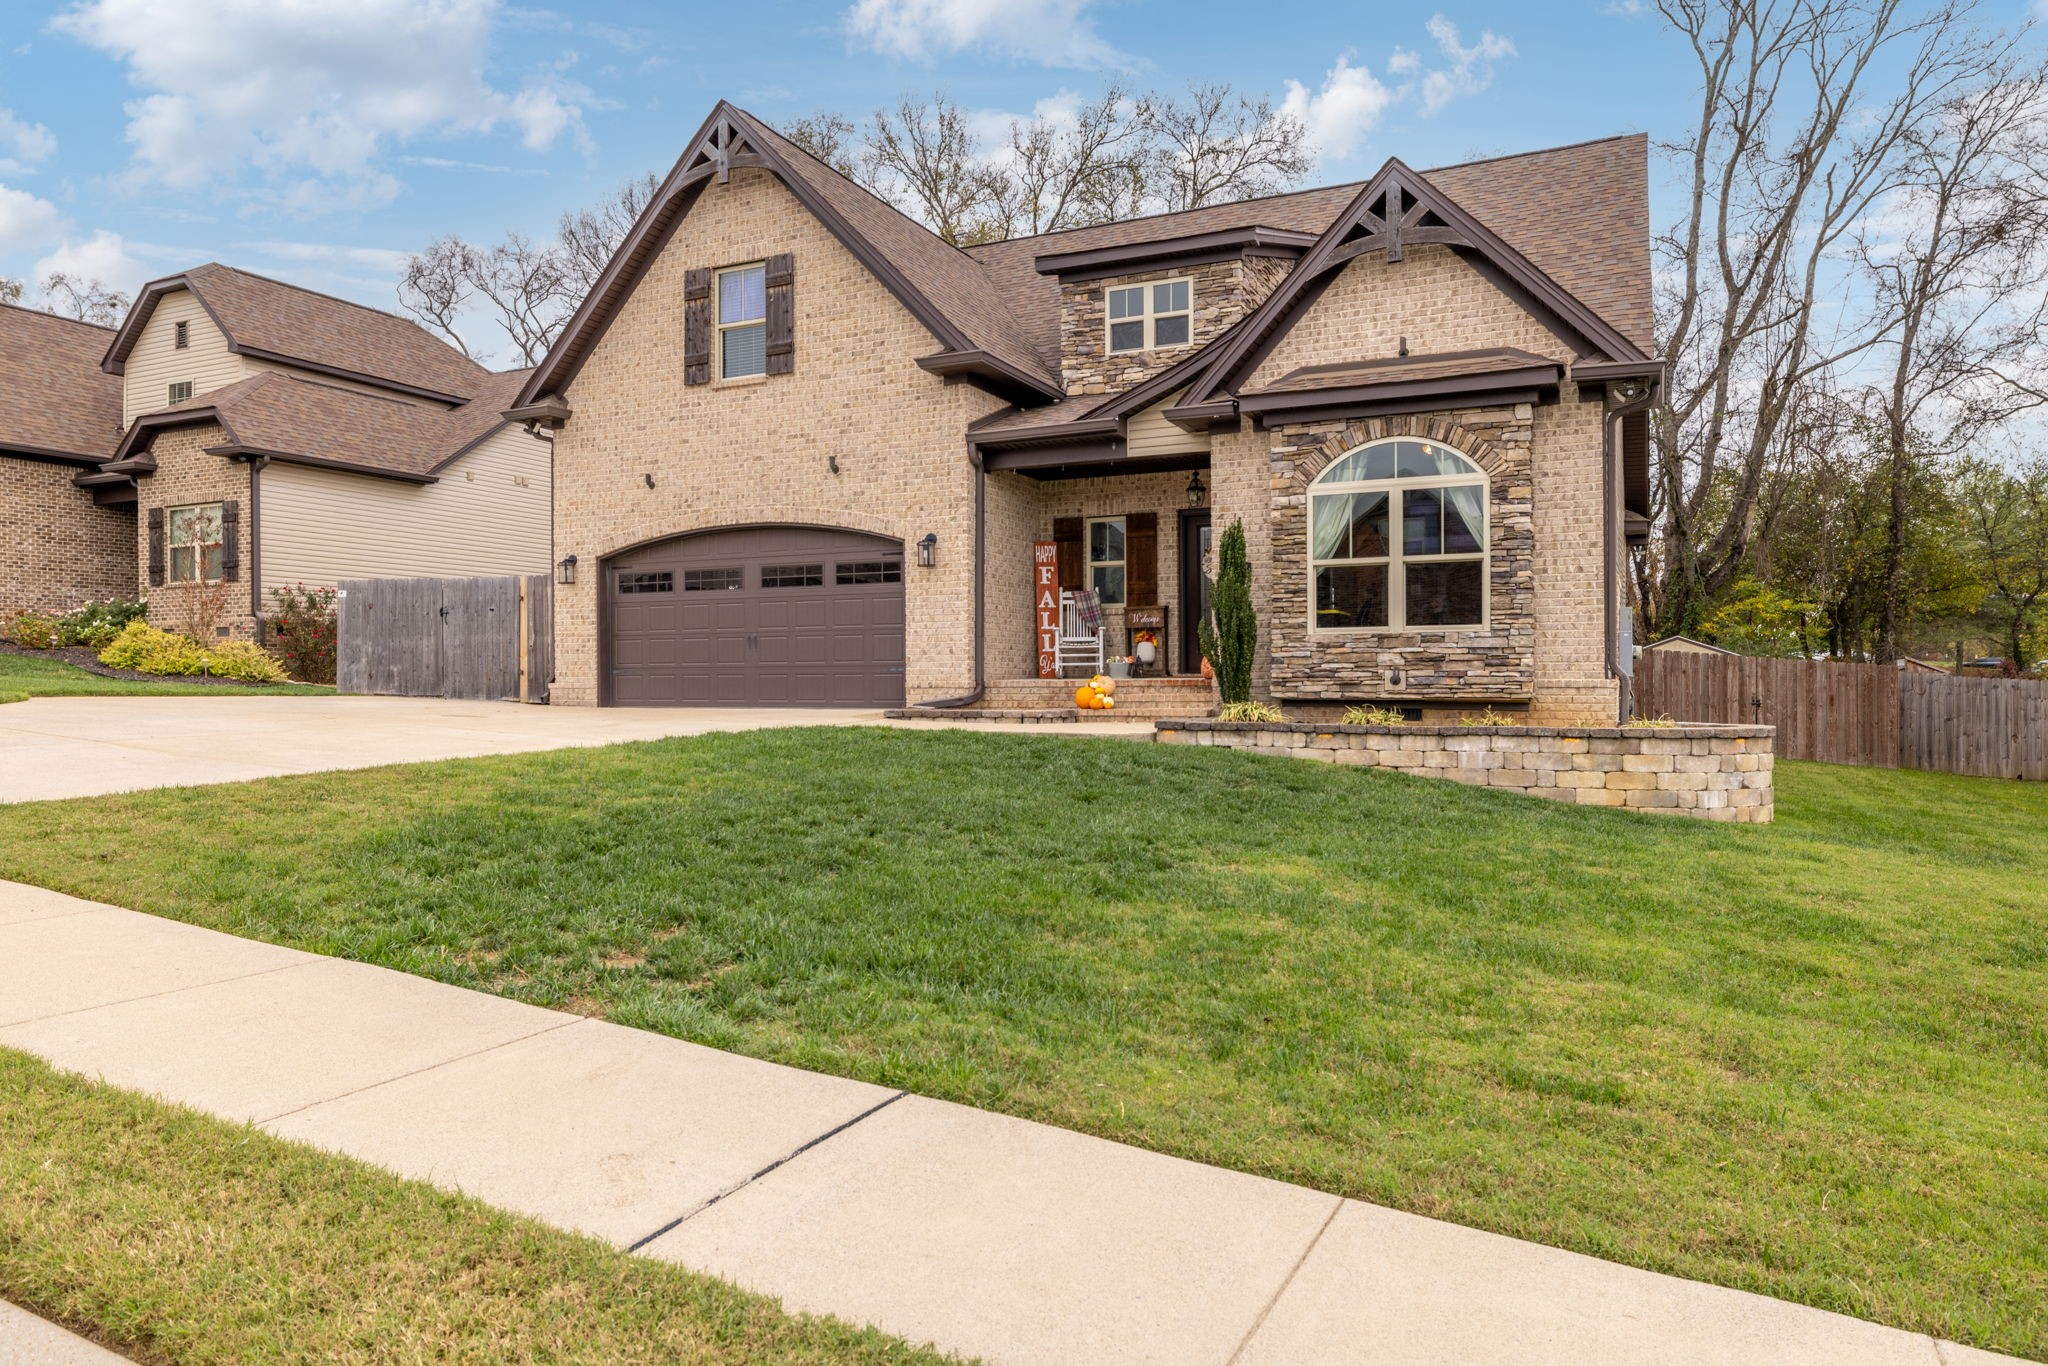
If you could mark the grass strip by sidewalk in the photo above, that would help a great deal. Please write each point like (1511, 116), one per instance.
(1806, 1059)
(32, 677)
(184, 1240)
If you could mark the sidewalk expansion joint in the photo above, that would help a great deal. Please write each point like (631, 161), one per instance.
(782, 1161)
(401, 1076)
(1285, 1281)
(154, 995)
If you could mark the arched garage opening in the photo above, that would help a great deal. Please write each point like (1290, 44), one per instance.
(759, 616)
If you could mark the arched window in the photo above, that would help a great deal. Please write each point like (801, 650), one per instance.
(1397, 539)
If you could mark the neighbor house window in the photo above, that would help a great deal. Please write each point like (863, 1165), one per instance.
(742, 322)
(181, 391)
(193, 535)
(1144, 317)
(181, 335)
(1106, 558)
(1397, 533)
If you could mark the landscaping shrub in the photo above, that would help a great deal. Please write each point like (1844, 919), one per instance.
(1231, 634)
(33, 630)
(1250, 711)
(95, 624)
(300, 629)
(147, 650)
(1373, 716)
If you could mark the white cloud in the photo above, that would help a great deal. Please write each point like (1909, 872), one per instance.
(1626, 9)
(382, 260)
(1470, 69)
(104, 257)
(311, 90)
(23, 144)
(1050, 32)
(26, 222)
(1347, 107)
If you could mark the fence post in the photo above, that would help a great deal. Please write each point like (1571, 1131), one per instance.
(525, 637)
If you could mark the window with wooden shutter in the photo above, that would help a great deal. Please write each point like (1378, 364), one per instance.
(1073, 567)
(781, 314)
(156, 547)
(1141, 558)
(697, 326)
(230, 541)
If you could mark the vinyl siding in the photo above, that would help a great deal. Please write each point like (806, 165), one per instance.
(155, 364)
(1149, 433)
(320, 526)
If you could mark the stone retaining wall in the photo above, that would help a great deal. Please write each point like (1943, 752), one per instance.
(1716, 773)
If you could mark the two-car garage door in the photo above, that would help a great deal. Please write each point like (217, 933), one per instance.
(778, 616)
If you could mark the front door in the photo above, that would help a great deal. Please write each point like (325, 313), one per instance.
(1194, 586)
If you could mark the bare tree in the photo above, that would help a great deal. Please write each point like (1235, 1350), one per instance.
(1958, 266)
(925, 157)
(10, 290)
(590, 237)
(1079, 172)
(830, 138)
(436, 286)
(83, 298)
(1216, 145)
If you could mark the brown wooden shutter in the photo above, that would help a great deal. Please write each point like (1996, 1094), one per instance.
(230, 541)
(1141, 559)
(697, 326)
(156, 546)
(781, 314)
(1072, 557)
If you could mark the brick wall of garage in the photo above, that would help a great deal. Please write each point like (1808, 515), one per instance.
(759, 451)
(56, 548)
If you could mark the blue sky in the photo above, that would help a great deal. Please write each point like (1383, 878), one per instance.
(320, 140)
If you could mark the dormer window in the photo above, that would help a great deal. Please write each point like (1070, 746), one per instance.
(181, 391)
(181, 335)
(742, 322)
(1150, 317)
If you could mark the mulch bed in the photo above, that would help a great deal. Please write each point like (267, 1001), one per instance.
(86, 658)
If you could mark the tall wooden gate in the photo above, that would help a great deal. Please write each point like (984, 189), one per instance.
(487, 639)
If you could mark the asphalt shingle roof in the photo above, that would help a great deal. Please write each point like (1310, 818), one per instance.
(65, 404)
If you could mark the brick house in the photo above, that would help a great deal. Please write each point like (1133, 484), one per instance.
(804, 448)
(236, 433)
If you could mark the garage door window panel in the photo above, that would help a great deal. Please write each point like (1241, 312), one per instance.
(792, 575)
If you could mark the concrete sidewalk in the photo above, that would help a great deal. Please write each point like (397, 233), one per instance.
(986, 1235)
(55, 747)
(26, 1340)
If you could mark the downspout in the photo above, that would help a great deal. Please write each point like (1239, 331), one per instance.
(256, 464)
(968, 699)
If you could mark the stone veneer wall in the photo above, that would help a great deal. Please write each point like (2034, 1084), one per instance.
(1716, 773)
(1221, 292)
(186, 474)
(56, 548)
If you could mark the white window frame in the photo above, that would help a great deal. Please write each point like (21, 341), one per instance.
(198, 548)
(723, 327)
(1149, 318)
(1397, 559)
(1092, 564)
(171, 394)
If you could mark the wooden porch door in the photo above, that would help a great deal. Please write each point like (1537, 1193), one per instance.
(1194, 588)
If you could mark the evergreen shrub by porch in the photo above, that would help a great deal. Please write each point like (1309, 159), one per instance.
(1231, 634)
(33, 630)
(95, 624)
(147, 650)
(300, 628)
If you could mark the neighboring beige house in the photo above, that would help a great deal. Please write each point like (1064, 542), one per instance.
(260, 434)
(1685, 645)
(59, 544)
(804, 448)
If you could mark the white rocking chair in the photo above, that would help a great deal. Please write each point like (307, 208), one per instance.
(1080, 637)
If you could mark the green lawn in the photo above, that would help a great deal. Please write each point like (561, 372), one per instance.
(27, 676)
(186, 1240)
(1807, 1059)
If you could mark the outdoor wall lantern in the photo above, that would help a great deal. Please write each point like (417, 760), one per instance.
(567, 570)
(1198, 493)
(928, 551)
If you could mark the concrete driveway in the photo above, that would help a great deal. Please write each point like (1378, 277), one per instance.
(83, 746)
(52, 747)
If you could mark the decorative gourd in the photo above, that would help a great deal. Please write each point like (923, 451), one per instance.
(1085, 697)
(1108, 703)
(1103, 684)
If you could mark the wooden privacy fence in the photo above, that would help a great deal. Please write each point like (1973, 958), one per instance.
(1858, 713)
(488, 639)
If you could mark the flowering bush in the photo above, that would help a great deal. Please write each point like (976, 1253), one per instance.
(33, 630)
(97, 623)
(301, 631)
(145, 649)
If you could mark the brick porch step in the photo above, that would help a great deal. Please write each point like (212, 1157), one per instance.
(1137, 699)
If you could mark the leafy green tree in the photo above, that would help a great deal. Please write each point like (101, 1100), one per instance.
(2007, 515)
(1230, 636)
(1758, 619)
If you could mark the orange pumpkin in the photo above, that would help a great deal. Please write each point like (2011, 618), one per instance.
(1086, 697)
